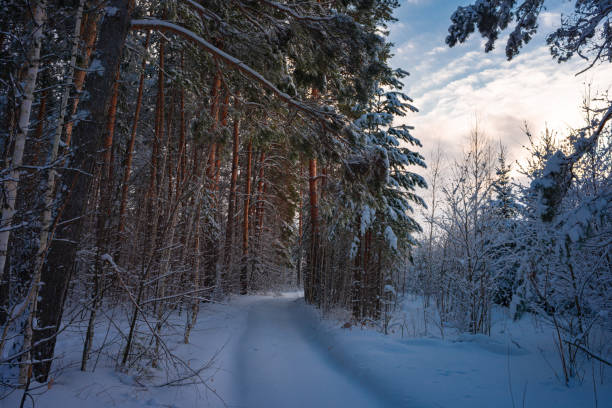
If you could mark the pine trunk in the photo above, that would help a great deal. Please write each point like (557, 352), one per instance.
(104, 216)
(356, 298)
(182, 158)
(132, 142)
(312, 291)
(87, 141)
(211, 247)
(194, 223)
(260, 194)
(229, 230)
(300, 228)
(245, 224)
(89, 41)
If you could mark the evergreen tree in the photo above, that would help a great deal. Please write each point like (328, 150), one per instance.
(501, 238)
(385, 212)
(504, 203)
(390, 148)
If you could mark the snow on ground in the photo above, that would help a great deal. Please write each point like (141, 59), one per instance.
(514, 367)
(275, 351)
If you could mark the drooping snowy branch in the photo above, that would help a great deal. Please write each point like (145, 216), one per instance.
(557, 174)
(232, 62)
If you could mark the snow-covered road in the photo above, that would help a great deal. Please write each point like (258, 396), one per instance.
(269, 352)
(282, 362)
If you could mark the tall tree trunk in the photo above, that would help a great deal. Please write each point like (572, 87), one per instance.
(211, 246)
(32, 296)
(157, 182)
(260, 193)
(130, 150)
(245, 224)
(169, 155)
(161, 292)
(11, 184)
(356, 297)
(258, 213)
(87, 141)
(367, 279)
(229, 229)
(262, 210)
(300, 228)
(313, 291)
(182, 158)
(217, 172)
(89, 40)
(194, 223)
(151, 202)
(195, 303)
(103, 219)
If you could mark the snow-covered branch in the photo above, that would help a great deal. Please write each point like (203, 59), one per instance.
(231, 61)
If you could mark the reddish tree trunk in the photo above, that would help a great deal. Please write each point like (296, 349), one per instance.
(357, 277)
(130, 151)
(214, 111)
(314, 203)
(211, 164)
(260, 193)
(104, 215)
(168, 152)
(367, 279)
(89, 40)
(229, 230)
(260, 216)
(211, 246)
(88, 139)
(311, 292)
(217, 167)
(182, 143)
(245, 224)
(110, 129)
(300, 227)
(225, 109)
(159, 124)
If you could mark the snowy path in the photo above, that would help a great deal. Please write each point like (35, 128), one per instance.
(282, 363)
(271, 352)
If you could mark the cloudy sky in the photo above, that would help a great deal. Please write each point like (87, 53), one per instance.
(451, 87)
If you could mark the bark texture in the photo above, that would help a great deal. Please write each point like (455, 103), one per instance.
(87, 140)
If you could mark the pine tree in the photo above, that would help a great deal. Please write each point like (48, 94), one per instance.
(387, 208)
(504, 203)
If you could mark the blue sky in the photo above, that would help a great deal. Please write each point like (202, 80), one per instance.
(451, 87)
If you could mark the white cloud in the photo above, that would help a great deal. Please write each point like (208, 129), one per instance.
(504, 95)
(470, 61)
(438, 50)
(404, 48)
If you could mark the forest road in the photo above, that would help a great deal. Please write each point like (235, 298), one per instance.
(284, 361)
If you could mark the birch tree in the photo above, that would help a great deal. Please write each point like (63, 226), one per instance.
(11, 184)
